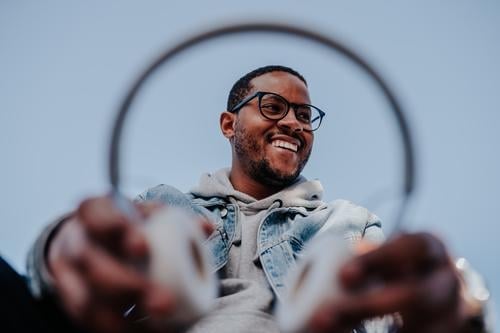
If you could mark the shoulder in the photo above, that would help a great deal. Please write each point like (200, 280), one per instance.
(165, 194)
(171, 196)
(354, 220)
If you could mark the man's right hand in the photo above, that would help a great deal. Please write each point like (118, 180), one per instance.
(91, 259)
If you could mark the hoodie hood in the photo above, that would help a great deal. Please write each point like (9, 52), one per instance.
(303, 193)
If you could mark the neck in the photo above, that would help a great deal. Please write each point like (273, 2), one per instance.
(246, 184)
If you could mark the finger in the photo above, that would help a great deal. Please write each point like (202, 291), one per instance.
(407, 255)
(445, 323)
(110, 228)
(103, 319)
(71, 288)
(147, 208)
(207, 227)
(325, 320)
(101, 217)
(363, 247)
(134, 245)
(119, 285)
(157, 301)
(437, 300)
(429, 297)
(109, 279)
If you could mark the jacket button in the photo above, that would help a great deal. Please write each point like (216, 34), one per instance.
(223, 212)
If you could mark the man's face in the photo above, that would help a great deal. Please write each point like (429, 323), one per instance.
(273, 152)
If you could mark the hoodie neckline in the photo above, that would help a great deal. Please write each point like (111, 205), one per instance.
(302, 193)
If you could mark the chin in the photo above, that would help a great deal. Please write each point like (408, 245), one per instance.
(276, 176)
(284, 166)
(285, 173)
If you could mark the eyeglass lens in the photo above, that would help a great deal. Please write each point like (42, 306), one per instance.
(275, 107)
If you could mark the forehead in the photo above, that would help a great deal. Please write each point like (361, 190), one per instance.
(282, 83)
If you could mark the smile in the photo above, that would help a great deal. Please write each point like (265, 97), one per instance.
(287, 145)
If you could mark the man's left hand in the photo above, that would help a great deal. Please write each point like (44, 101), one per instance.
(411, 275)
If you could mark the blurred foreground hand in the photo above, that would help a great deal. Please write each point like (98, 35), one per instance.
(92, 262)
(411, 275)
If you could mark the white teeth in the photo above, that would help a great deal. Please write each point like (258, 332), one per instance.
(286, 145)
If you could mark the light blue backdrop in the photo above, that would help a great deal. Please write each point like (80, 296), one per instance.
(64, 67)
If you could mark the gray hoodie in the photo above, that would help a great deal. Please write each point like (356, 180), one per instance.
(246, 300)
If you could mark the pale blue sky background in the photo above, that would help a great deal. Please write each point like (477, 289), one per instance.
(65, 66)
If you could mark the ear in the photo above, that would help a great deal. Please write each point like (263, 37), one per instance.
(227, 121)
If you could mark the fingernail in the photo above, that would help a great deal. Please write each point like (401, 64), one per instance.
(137, 245)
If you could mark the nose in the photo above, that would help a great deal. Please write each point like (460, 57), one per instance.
(290, 122)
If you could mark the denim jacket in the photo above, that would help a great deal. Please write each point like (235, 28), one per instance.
(282, 233)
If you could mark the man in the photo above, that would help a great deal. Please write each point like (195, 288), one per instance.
(258, 214)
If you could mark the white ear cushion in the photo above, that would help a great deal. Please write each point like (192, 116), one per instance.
(179, 261)
(312, 281)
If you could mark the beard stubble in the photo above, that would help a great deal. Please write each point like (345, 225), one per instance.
(259, 168)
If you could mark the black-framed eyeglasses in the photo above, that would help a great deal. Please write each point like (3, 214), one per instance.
(275, 107)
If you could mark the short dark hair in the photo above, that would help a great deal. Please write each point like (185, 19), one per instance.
(242, 87)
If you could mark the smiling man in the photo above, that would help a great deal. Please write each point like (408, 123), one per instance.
(261, 213)
(270, 147)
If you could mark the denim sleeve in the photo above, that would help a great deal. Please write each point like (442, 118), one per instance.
(373, 230)
(353, 222)
(167, 195)
(170, 196)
